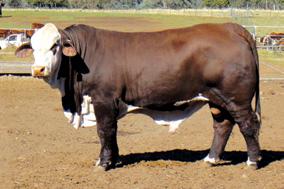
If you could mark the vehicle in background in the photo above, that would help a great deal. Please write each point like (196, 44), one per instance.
(13, 40)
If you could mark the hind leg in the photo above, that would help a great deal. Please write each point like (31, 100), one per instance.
(223, 125)
(249, 126)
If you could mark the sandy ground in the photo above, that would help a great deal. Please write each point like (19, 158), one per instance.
(39, 149)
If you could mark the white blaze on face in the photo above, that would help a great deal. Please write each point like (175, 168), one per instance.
(42, 42)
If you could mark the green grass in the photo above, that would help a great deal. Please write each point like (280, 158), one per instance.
(274, 57)
(24, 18)
(7, 55)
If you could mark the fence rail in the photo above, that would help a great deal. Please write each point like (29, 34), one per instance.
(271, 47)
(15, 68)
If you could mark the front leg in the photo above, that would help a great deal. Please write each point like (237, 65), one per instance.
(106, 115)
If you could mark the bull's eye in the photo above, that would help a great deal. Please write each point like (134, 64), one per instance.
(53, 48)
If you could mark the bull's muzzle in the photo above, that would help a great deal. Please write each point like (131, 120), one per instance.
(39, 71)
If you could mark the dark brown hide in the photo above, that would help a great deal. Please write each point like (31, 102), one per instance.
(157, 69)
(71, 69)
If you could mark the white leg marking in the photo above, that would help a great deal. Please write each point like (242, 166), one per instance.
(90, 116)
(207, 159)
(174, 127)
(77, 121)
(86, 104)
(88, 120)
(98, 162)
(69, 116)
(251, 163)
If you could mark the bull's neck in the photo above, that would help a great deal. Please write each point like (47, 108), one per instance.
(83, 38)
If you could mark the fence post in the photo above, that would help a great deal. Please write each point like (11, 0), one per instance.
(1, 5)
(255, 32)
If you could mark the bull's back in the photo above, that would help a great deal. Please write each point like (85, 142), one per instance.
(187, 55)
(179, 63)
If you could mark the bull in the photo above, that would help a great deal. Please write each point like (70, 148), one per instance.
(164, 71)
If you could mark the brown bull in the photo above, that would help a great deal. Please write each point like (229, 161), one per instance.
(164, 71)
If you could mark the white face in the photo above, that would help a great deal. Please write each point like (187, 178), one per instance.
(45, 61)
(47, 52)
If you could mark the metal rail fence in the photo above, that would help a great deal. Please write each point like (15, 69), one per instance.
(274, 43)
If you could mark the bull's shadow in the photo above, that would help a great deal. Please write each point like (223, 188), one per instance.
(230, 158)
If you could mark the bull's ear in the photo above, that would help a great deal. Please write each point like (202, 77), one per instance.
(24, 50)
(67, 47)
(69, 50)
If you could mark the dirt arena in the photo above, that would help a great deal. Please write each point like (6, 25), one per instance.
(39, 149)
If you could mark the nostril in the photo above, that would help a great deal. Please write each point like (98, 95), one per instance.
(42, 70)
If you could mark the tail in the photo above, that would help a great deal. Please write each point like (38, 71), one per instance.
(248, 37)
(257, 89)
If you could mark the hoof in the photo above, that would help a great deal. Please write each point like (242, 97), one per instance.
(208, 164)
(173, 128)
(99, 169)
(252, 167)
(252, 164)
(105, 166)
(210, 161)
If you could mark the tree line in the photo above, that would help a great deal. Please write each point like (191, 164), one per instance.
(144, 4)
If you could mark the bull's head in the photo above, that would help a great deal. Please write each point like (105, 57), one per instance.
(47, 46)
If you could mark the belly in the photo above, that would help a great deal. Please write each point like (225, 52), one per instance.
(171, 117)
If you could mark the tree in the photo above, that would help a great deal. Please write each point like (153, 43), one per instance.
(151, 4)
(216, 3)
(15, 3)
(177, 4)
(172, 4)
